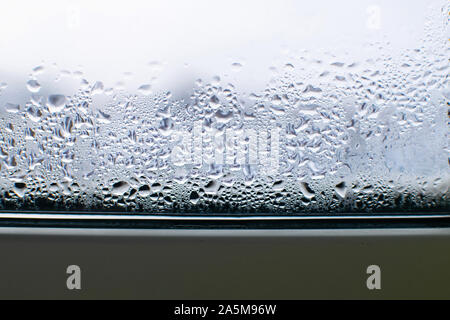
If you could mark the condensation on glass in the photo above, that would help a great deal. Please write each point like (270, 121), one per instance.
(225, 107)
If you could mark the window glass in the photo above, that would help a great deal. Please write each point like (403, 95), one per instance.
(225, 107)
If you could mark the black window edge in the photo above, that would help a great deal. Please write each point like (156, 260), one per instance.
(112, 221)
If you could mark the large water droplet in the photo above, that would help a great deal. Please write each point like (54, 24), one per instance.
(212, 187)
(97, 88)
(12, 108)
(144, 191)
(145, 89)
(119, 188)
(56, 103)
(306, 190)
(341, 189)
(20, 188)
(33, 86)
(194, 197)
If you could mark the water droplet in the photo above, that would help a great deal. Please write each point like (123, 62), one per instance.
(144, 191)
(119, 188)
(97, 88)
(289, 67)
(19, 189)
(310, 88)
(103, 117)
(33, 86)
(236, 66)
(341, 189)
(306, 190)
(12, 108)
(338, 64)
(166, 126)
(38, 70)
(223, 116)
(56, 103)
(156, 187)
(278, 185)
(212, 187)
(194, 197)
(34, 114)
(145, 89)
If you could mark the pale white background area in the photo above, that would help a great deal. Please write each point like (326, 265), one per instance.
(191, 39)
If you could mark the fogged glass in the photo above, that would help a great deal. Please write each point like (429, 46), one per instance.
(225, 107)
